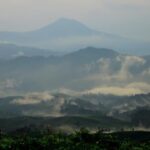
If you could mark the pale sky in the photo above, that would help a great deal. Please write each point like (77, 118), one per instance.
(130, 18)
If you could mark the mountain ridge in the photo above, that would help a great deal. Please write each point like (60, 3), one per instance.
(68, 34)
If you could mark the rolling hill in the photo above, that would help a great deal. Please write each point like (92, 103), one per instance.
(61, 110)
(86, 70)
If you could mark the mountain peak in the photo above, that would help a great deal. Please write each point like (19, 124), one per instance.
(68, 22)
(91, 49)
(64, 27)
(89, 54)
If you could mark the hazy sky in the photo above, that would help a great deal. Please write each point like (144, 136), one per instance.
(130, 18)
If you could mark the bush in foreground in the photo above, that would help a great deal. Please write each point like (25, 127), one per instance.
(80, 140)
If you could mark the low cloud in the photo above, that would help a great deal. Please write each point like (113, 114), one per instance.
(142, 86)
(128, 62)
(9, 84)
(34, 98)
(146, 72)
(18, 54)
(114, 91)
(123, 74)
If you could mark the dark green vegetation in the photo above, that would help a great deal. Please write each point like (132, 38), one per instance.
(65, 122)
(141, 116)
(90, 111)
(79, 140)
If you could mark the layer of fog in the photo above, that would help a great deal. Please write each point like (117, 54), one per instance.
(124, 75)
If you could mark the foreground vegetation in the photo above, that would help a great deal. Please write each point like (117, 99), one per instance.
(79, 140)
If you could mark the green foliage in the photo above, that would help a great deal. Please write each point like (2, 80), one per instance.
(80, 140)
